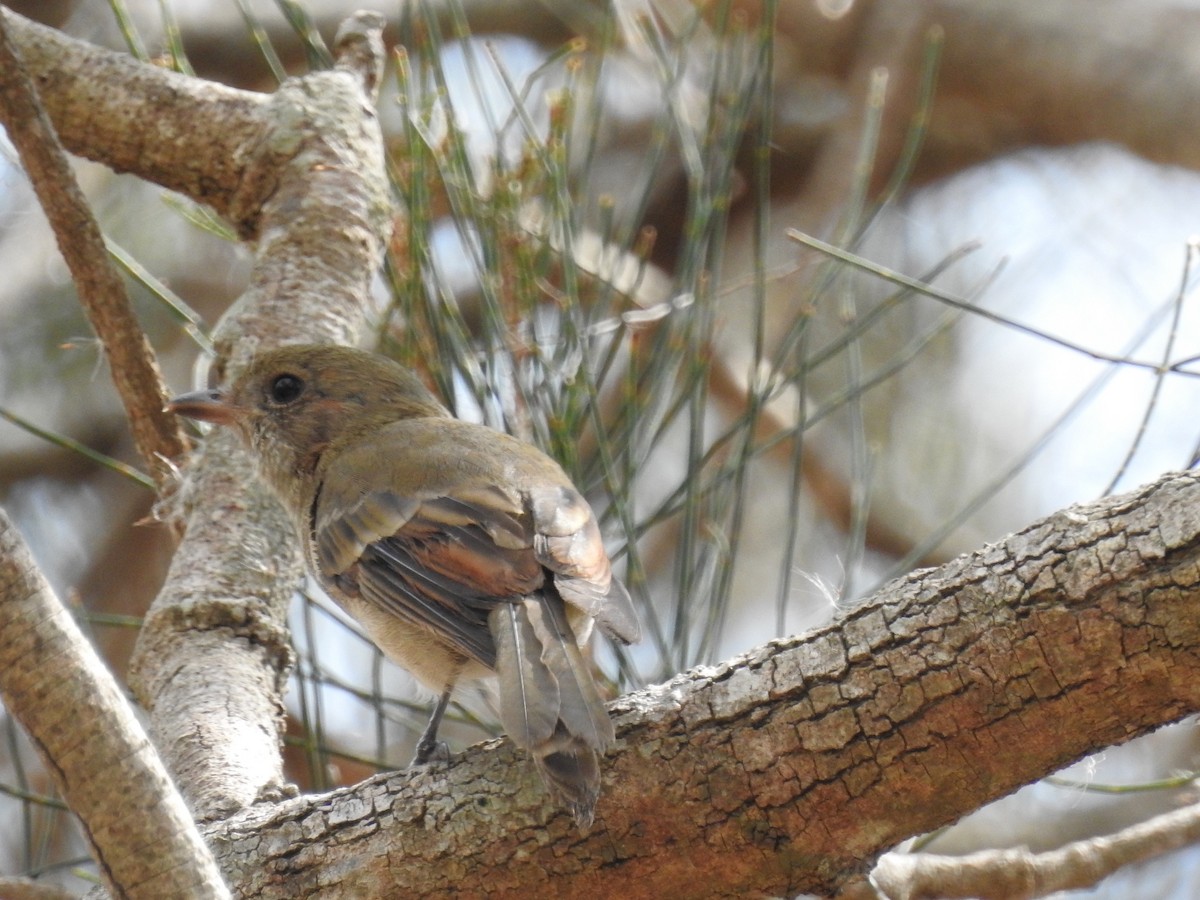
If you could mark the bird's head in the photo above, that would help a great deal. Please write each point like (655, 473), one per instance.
(291, 404)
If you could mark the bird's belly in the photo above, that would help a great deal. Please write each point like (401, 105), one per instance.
(432, 662)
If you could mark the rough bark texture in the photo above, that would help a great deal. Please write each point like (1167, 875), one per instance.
(212, 661)
(783, 770)
(791, 768)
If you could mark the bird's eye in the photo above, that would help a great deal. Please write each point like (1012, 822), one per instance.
(285, 388)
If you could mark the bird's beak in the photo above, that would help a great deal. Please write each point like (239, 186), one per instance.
(206, 406)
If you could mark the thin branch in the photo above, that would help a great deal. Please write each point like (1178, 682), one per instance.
(1189, 258)
(949, 299)
(1019, 874)
(75, 446)
(135, 372)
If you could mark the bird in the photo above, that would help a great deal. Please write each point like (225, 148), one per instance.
(464, 553)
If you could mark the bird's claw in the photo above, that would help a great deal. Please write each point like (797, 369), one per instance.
(430, 751)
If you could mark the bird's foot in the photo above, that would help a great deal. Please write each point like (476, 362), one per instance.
(430, 751)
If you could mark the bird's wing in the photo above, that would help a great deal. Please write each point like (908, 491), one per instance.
(567, 542)
(440, 562)
(463, 534)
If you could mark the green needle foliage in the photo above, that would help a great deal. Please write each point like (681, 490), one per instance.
(567, 337)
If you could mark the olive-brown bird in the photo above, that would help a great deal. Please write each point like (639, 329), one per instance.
(462, 551)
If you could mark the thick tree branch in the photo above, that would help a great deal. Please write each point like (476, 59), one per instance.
(1027, 73)
(102, 293)
(1013, 73)
(791, 768)
(142, 836)
(782, 770)
(212, 660)
(189, 135)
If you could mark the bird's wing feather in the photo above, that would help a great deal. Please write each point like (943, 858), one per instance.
(390, 579)
(461, 537)
(580, 707)
(529, 695)
(568, 543)
(439, 562)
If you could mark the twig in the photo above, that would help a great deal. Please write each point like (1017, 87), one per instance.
(1019, 874)
(101, 291)
(76, 447)
(1189, 259)
(948, 299)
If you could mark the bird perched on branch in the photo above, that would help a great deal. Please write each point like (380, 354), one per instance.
(462, 551)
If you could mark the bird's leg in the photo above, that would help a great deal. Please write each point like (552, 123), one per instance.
(429, 746)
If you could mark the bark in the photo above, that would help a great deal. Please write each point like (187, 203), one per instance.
(101, 291)
(213, 658)
(1020, 874)
(1028, 73)
(1013, 73)
(793, 767)
(141, 835)
(196, 137)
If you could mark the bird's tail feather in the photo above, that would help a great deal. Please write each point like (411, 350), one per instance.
(549, 704)
(528, 690)
(571, 770)
(580, 710)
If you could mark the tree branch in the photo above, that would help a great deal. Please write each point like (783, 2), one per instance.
(1020, 874)
(793, 767)
(785, 769)
(102, 293)
(188, 135)
(142, 836)
(212, 660)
